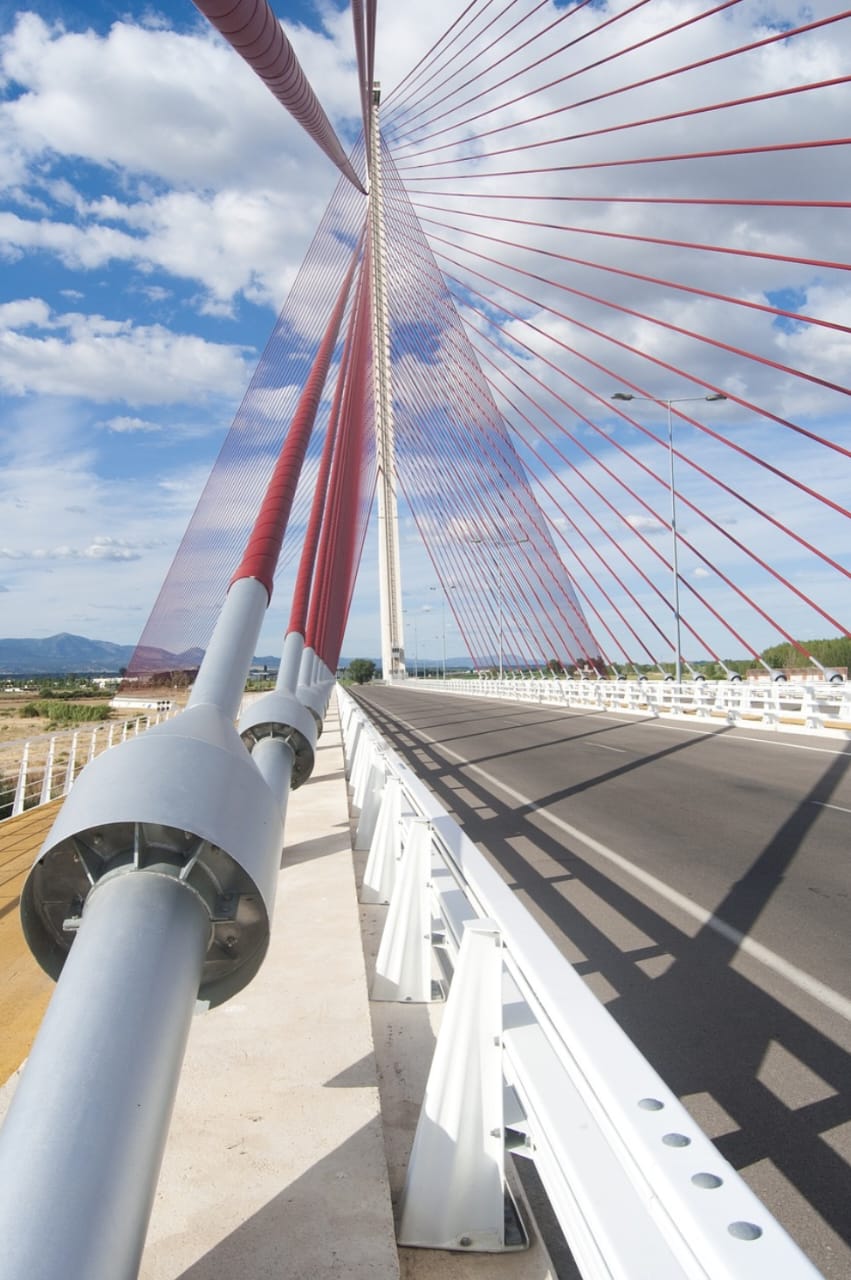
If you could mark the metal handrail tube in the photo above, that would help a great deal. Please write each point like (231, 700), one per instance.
(130, 1034)
(28, 788)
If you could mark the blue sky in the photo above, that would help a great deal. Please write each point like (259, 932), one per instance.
(155, 204)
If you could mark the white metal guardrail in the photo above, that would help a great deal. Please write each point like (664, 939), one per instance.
(528, 1060)
(44, 767)
(817, 707)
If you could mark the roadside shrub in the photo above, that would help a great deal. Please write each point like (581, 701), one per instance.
(67, 712)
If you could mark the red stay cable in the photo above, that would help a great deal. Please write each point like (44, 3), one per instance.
(261, 554)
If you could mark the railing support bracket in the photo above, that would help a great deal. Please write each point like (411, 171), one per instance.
(455, 1194)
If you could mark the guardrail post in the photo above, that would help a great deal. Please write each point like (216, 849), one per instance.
(403, 964)
(454, 1193)
(72, 763)
(371, 804)
(362, 768)
(352, 742)
(21, 788)
(385, 847)
(364, 772)
(47, 780)
(811, 708)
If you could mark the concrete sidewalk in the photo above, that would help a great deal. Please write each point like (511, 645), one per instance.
(275, 1161)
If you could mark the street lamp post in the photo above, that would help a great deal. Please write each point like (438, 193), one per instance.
(442, 625)
(713, 396)
(406, 613)
(514, 542)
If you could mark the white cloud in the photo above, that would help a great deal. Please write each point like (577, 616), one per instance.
(100, 359)
(247, 185)
(646, 524)
(101, 548)
(127, 426)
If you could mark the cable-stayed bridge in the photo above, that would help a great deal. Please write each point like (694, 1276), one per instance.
(574, 313)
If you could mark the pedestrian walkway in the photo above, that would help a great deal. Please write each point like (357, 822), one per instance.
(25, 989)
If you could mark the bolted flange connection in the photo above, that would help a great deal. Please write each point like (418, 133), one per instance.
(185, 801)
(280, 715)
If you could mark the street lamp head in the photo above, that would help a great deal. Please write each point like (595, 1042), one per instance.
(628, 395)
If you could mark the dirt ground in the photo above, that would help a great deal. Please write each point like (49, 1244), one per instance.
(15, 727)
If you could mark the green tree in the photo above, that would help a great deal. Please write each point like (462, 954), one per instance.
(832, 652)
(361, 670)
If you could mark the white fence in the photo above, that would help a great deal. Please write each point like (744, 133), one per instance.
(815, 707)
(44, 767)
(528, 1060)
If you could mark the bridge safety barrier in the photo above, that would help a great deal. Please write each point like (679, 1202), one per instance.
(528, 1061)
(818, 707)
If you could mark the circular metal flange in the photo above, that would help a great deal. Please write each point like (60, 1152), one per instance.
(59, 885)
(280, 715)
(183, 800)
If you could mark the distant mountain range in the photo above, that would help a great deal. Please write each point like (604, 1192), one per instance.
(62, 654)
(66, 655)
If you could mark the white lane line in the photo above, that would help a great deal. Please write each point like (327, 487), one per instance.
(838, 807)
(695, 731)
(805, 982)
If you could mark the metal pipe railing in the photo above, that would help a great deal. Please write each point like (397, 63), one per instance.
(41, 758)
(818, 707)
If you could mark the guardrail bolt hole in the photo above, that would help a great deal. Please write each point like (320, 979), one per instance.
(745, 1230)
(709, 1181)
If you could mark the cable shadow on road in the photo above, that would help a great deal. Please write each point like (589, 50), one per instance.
(503, 722)
(508, 712)
(713, 1034)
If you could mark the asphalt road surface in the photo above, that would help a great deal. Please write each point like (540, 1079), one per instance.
(700, 879)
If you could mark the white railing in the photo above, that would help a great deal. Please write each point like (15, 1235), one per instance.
(528, 1060)
(42, 768)
(816, 707)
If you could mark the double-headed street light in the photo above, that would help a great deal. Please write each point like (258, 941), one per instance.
(714, 395)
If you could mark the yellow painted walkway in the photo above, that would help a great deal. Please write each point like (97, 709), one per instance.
(25, 988)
